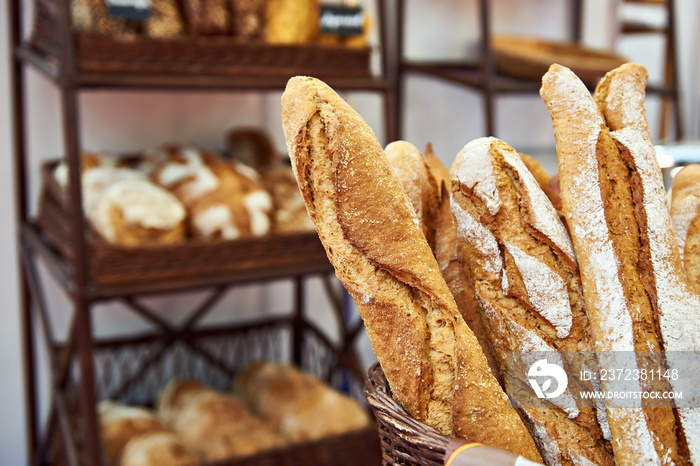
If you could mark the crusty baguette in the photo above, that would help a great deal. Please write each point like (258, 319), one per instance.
(431, 359)
(608, 178)
(518, 252)
(447, 255)
(685, 204)
(421, 188)
(620, 98)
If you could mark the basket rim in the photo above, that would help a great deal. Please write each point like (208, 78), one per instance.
(397, 421)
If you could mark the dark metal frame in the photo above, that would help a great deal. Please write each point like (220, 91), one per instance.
(483, 77)
(78, 348)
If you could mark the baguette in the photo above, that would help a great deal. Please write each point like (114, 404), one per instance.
(685, 201)
(629, 261)
(447, 255)
(522, 262)
(371, 235)
(421, 188)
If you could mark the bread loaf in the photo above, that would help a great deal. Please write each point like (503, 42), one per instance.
(216, 424)
(614, 203)
(291, 21)
(421, 188)
(120, 423)
(290, 211)
(165, 20)
(685, 201)
(548, 184)
(458, 280)
(248, 18)
(525, 276)
(206, 17)
(175, 396)
(372, 238)
(299, 405)
(224, 199)
(157, 449)
(127, 208)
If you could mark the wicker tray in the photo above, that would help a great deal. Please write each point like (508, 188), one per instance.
(222, 55)
(135, 369)
(530, 58)
(403, 440)
(110, 264)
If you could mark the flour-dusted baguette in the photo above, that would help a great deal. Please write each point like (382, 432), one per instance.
(431, 359)
(685, 218)
(447, 255)
(620, 98)
(421, 188)
(522, 262)
(615, 208)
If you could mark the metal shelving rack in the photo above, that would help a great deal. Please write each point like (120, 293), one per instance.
(75, 354)
(483, 77)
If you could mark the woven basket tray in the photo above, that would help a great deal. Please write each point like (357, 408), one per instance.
(110, 264)
(134, 370)
(222, 55)
(530, 58)
(403, 440)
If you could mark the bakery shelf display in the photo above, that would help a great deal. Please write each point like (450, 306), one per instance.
(77, 47)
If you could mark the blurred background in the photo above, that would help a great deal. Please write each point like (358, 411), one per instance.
(443, 114)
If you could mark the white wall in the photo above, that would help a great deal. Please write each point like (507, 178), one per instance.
(440, 113)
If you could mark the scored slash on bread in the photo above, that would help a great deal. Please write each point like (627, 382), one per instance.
(458, 280)
(431, 359)
(520, 258)
(614, 203)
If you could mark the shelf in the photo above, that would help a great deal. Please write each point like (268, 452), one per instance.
(51, 67)
(62, 269)
(469, 74)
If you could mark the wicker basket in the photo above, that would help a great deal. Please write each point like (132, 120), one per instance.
(214, 55)
(403, 440)
(134, 370)
(120, 265)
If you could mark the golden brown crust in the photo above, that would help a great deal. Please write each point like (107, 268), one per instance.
(291, 21)
(549, 184)
(157, 449)
(120, 423)
(598, 171)
(447, 255)
(366, 223)
(421, 188)
(529, 289)
(219, 427)
(297, 404)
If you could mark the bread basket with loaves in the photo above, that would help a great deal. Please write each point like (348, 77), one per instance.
(453, 314)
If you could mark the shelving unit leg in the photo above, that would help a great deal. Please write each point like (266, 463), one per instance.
(17, 92)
